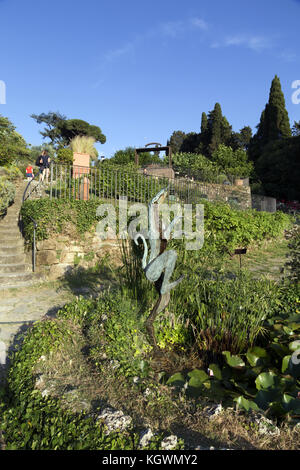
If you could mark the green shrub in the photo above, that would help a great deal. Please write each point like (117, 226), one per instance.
(52, 216)
(11, 172)
(293, 264)
(30, 421)
(7, 194)
(65, 155)
(264, 378)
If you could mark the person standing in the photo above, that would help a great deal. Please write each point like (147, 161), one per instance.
(47, 161)
(29, 172)
(43, 161)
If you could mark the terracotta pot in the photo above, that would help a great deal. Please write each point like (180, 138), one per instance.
(81, 164)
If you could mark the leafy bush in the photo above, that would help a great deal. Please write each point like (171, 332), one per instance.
(7, 194)
(197, 165)
(122, 339)
(229, 228)
(265, 378)
(30, 421)
(127, 157)
(227, 314)
(232, 162)
(11, 172)
(12, 144)
(65, 155)
(53, 216)
(294, 264)
(225, 228)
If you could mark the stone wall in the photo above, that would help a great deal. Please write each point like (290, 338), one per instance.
(58, 256)
(238, 196)
(158, 171)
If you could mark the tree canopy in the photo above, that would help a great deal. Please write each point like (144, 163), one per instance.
(215, 130)
(60, 130)
(12, 145)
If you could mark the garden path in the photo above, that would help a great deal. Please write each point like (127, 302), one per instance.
(20, 308)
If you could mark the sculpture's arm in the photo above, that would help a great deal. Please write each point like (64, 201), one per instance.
(144, 260)
(154, 229)
(167, 232)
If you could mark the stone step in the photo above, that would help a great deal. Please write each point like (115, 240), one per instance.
(14, 209)
(12, 258)
(14, 268)
(13, 226)
(15, 278)
(12, 215)
(10, 232)
(9, 221)
(16, 247)
(35, 279)
(10, 239)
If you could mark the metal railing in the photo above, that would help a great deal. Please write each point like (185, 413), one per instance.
(113, 183)
(32, 188)
(27, 193)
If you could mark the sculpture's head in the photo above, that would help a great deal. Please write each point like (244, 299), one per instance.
(160, 196)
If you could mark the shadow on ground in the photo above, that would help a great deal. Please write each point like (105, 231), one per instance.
(90, 281)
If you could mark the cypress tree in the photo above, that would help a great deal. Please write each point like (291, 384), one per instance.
(277, 124)
(204, 124)
(215, 121)
(274, 121)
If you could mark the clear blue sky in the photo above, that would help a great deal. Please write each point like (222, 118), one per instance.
(92, 60)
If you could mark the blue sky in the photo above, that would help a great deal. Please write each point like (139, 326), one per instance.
(92, 60)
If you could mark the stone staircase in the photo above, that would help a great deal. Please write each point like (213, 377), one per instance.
(14, 270)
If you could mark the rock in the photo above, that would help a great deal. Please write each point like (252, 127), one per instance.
(114, 420)
(76, 249)
(46, 257)
(214, 411)
(114, 364)
(60, 246)
(39, 382)
(169, 443)
(266, 426)
(67, 257)
(145, 438)
(147, 392)
(46, 245)
(59, 270)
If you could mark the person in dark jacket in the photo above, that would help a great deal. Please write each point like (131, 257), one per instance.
(44, 163)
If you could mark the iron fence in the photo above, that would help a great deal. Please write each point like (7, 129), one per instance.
(109, 183)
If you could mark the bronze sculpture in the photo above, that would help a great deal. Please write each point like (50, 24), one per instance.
(161, 263)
